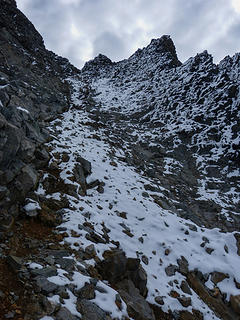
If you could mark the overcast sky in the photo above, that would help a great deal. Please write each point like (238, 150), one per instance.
(81, 29)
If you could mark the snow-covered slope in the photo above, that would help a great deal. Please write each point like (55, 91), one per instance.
(191, 111)
(147, 160)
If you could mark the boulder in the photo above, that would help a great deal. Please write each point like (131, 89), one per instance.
(90, 311)
(137, 306)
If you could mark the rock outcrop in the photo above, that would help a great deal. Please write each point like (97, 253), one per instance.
(33, 91)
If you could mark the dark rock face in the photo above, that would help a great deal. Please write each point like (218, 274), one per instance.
(14, 22)
(32, 92)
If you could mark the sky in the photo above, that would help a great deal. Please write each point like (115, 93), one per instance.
(81, 29)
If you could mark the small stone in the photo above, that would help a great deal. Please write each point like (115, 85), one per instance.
(226, 248)
(185, 287)
(113, 164)
(166, 252)
(218, 277)
(86, 165)
(174, 294)
(183, 265)
(145, 259)
(118, 301)
(191, 226)
(145, 194)
(185, 301)
(159, 300)
(209, 250)
(128, 233)
(100, 189)
(65, 157)
(140, 239)
(171, 270)
(90, 250)
(62, 292)
(122, 214)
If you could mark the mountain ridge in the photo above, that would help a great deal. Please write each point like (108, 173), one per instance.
(119, 182)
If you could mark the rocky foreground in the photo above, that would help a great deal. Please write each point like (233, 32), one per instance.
(119, 183)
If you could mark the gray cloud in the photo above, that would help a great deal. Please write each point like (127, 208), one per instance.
(109, 44)
(80, 29)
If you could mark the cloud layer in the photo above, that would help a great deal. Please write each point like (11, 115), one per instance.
(81, 29)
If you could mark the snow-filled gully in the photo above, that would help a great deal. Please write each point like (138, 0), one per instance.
(145, 231)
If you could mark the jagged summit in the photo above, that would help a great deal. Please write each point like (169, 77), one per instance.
(101, 61)
(159, 54)
(161, 46)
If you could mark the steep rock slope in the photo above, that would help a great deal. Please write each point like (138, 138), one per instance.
(139, 171)
(162, 140)
(32, 92)
(185, 115)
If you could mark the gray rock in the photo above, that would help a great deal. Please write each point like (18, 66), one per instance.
(137, 306)
(217, 277)
(44, 285)
(171, 270)
(90, 250)
(159, 300)
(16, 263)
(62, 292)
(45, 272)
(57, 253)
(66, 264)
(27, 179)
(87, 292)
(90, 311)
(183, 265)
(65, 314)
(185, 287)
(185, 301)
(113, 267)
(86, 165)
(79, 176)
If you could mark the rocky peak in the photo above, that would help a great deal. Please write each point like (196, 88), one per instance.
(13, 21)
(98, 63)
(161, 52)
(162, 45)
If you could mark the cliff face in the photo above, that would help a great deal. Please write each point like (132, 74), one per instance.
(119, 183)
(32, 91)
